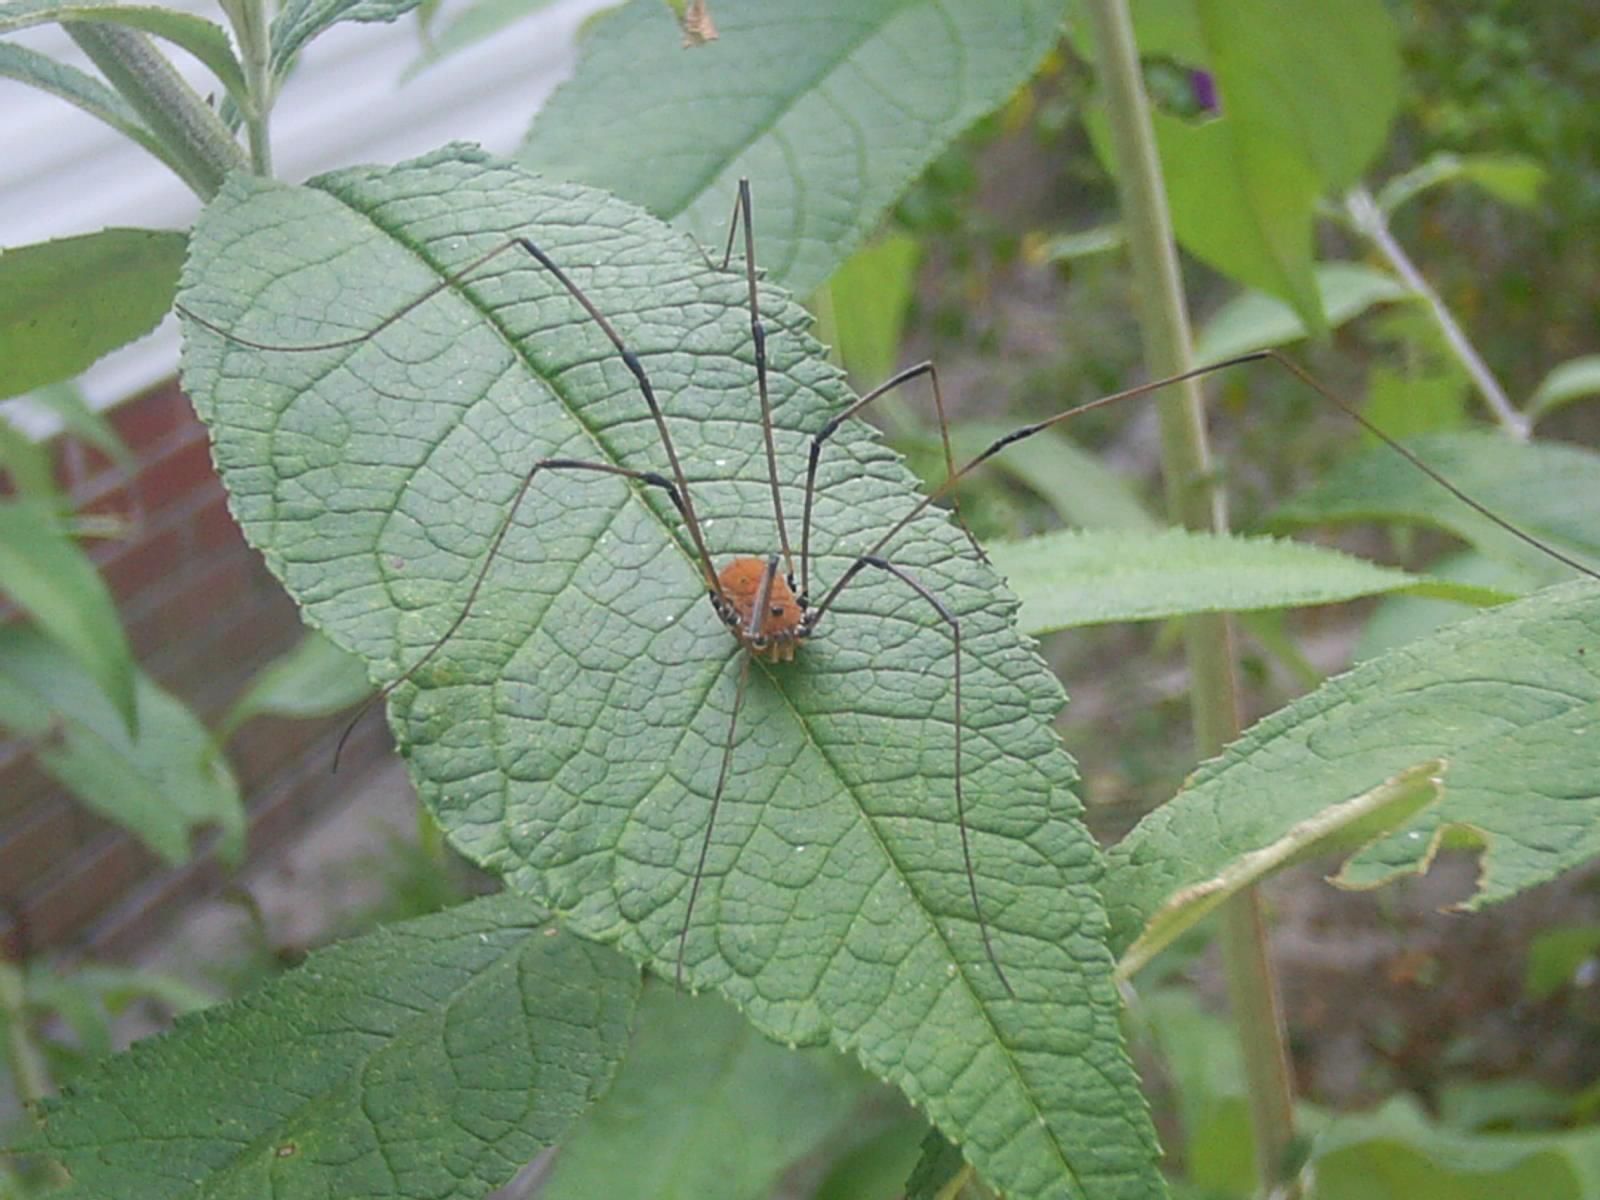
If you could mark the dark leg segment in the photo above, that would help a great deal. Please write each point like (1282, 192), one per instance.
(949, 618)
(832, 427)
(758, 338)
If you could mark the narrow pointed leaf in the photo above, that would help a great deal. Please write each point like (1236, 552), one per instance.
(1091, 577)
(569, 736)
(856, 97)
(64, 304)
(160, 784)
(81, 89)
(201, 38)
(429, 1060)
(1508, 700)
(44, 573)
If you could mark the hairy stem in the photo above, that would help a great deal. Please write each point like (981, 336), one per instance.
(1193, 501)
(197, 141)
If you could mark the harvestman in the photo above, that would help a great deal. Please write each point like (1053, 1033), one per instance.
(765, 604)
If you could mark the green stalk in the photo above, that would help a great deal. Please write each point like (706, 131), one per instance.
(249, 21)
(32, 1080)
(1194, 502)
(196, 140)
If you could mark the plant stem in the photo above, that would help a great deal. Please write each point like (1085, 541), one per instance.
(249, 21)
(1368, 219)
(198, 142)
(1193, 500)
(27, 1065)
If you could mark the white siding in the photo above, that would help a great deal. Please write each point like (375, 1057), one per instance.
(62, 172)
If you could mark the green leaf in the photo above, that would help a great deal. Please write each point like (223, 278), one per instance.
(1507, 177)
(1327, 82)
(51, 580)
(569, 736)
(1242, 200)
(1407, 404)
(427, 1060)
(1078, 485)
(879, 1166)
(314, 679)
(1572, 380)
(871, 293)
(1069, 247)
(856, 98)
(1343, 826)
(161, 785)
(1550, 490)
(67, 401)
(1507, 699)
(1555, 957)
(1395, 1153)
(83, 90)
(1079, 577)
(472, 25)
(201, 38)
(64, 304)
(29, 469)
(703, 1106)
(298, 21)
(1404, 618)
(1255, 321)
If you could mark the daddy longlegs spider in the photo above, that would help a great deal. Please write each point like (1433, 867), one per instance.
(765, 602)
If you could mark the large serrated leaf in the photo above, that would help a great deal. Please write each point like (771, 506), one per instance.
(855, 98)
(425, 1061)
(569, 736)
(1508, 701)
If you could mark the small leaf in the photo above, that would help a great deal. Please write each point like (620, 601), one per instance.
(471, 25)
(298, 21)
(1403, 618)
(1555, 957)
(703, 1106)
(431, 1059)
(1507, 177)
(1508, 700)
(1069, 247)
(201, 38)
(314, 679)
(1572, 380)
(29, 469)
(1083, 577)
(161, 785)
(64, 304)
(1550, 490)
(1255, 321)
(864, 95)
(51, 579)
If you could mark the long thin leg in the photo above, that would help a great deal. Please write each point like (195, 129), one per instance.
(803, 592)
(1287, 364)
(758, 337)
(750, 633)
(949, 618)
(651, 478)
(684, 502)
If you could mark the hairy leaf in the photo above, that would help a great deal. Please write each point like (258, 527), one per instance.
(428, 1060)
(856, 98)
(569, 736)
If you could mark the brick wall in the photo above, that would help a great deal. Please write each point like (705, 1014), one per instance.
(202, 614)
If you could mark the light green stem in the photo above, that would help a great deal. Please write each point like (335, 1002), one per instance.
(1368, 218)
(1193, 501)
(23, 1057)
(196, 140)
(249, 21)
